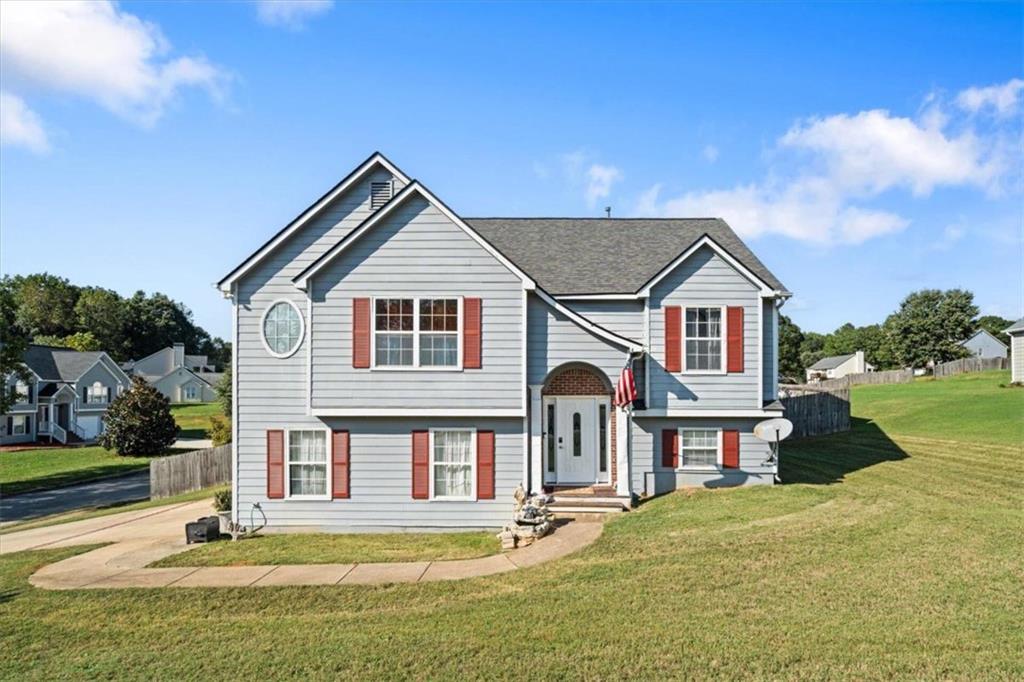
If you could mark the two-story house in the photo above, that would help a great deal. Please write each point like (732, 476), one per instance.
(180, 377)
(400, 366)
(65, 398)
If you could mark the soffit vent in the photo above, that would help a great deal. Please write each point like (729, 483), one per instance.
(380, 194)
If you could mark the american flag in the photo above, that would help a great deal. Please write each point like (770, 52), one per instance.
(625, 390)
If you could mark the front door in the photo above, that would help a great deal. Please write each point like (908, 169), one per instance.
(576, 440)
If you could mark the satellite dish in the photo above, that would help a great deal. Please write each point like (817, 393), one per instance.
(774, 430)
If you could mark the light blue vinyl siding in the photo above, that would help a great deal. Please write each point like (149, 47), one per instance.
(554, 340)
(646, 456)
(106, 377)
(769, 383)
(705, 279)
(417, 251)
(625, 318)
(381, 479)
(1017, 357)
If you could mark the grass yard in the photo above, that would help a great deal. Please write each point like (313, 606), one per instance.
(332, 548)
(892, 551)
(194, 419)
(27, 470)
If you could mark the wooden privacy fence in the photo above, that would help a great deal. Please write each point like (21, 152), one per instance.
(892, 376)
(190, 471)
(817, 410)
(964, 365)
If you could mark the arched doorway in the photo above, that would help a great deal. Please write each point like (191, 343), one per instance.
(578, 427)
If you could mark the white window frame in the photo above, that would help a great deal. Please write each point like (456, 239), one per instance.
(329, 446)
(24, 425)
(699, 467)
(723, 341)
(191, 386)
(263, 335)
(90, 394)
(416, 332)
(472, 464)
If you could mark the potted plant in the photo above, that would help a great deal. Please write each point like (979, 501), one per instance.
(222, 504)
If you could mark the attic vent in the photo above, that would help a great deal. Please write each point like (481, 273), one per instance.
(380, 194)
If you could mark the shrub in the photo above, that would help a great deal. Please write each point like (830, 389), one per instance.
(222, 500)
(220, 430)
(223, 390)
(139, 422)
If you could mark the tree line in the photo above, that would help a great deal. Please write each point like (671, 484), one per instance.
(50, 310)
(927, 327)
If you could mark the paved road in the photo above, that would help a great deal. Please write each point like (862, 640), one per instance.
(104, 492)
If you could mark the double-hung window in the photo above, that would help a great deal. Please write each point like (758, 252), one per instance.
(700, 448)
(705, 335)
(417, 332)
(307, 463)
(452, 463)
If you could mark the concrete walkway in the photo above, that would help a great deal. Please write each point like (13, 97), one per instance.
(139, 538)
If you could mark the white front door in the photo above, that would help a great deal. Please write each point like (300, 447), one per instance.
(576, 440)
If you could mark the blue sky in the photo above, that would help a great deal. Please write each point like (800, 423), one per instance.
(863, 150)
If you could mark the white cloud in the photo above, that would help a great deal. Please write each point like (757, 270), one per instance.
(951, 234)
(291, 14)
(600, 179)
(595, 179)
(1001, 99)
(826, 171)
(19, 125)
(710, 153)
(874, 151)
(95, 50)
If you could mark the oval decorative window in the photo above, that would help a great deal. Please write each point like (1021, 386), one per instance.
(282, 329)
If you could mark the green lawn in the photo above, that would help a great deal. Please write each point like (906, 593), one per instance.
(194, 418)
(27, 470)
(891, 551)
(332, 548)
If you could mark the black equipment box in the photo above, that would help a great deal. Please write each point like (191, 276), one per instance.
(203, 530)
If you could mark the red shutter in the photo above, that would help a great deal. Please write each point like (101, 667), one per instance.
(485, 465)
(734, 339)
(275, 464)
(339, 464)
(472, 355)
(420, 465)
(731, 449)
(361, 333)
(673, 338)
(669, 448)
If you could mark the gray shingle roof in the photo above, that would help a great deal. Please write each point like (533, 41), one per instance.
(606, 255)
(59, 364)
(831, 362)
(1017, 326)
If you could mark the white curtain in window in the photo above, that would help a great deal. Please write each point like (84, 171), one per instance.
(307, 463)
(453, 463)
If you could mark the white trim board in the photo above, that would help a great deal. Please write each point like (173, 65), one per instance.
(376, 159)
(710, 414)
(402, 412)
(764, 288)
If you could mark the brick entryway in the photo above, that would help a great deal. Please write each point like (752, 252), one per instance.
(584, 382)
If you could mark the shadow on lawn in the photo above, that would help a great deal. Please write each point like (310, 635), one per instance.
(824, 460)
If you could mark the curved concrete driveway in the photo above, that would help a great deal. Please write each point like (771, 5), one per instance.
(142, 537)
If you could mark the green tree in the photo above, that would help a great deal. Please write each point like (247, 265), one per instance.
(995, 325)
(102, 313)
(139, 422)
(13, 340)
(46, 305)
(812, 349)
(81, 341)
(157, 321)
(790, 341)
(929, 326)
(869, 338)
(224, 392)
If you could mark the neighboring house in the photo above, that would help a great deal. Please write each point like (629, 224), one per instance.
(1016, 332)
(838, 366)
(181, 377)
(399, 366)
(65, 398)
(985, 345)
